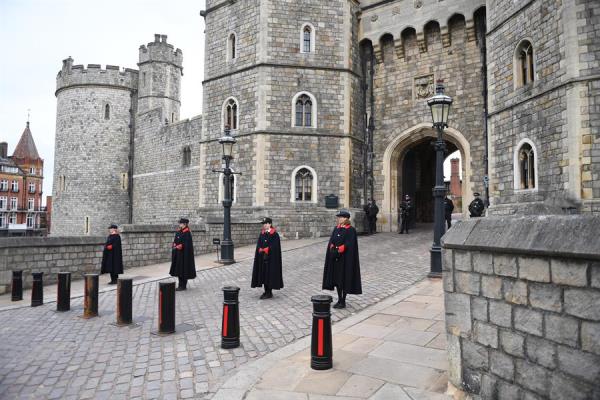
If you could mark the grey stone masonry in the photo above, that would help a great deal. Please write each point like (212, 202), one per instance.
(142, 245)
(535, 321)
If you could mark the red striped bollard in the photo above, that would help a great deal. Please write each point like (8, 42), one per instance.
(166, 308)
(321, 350)
(124, 301)
(63, 292)
(230, 334)
(37, 289)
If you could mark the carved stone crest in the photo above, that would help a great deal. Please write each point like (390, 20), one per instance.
(396, 10)
(374, 18)
(418, 3)
(424, 87)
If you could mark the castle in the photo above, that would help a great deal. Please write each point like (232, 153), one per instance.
(329, 97)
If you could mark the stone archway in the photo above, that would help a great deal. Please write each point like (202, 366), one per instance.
(395, 153)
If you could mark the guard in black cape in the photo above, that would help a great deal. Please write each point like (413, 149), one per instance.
(112, 255)
(267, 270)
(404, 216)
(342, 264)
(448, 208)
(183, 265)
(476, 208)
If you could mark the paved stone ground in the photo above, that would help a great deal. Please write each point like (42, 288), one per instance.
(50, 355)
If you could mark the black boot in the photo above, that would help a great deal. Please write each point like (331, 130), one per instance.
(341, 303)
(113, 279)
(267, 294)
(182, 284)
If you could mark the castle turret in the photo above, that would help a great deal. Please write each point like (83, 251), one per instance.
(160, 78)
(92, 151)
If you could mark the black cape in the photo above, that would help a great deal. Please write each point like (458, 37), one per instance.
(267, 269)
(112, 260)
(182, 261)
(343, 271)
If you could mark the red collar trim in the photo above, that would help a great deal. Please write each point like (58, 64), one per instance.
(347, 226)
(270, 231)
(185, 230)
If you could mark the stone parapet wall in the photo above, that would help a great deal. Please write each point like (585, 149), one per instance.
(142, 245)
(522, 300)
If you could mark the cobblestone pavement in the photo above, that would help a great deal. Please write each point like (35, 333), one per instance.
(50, 355)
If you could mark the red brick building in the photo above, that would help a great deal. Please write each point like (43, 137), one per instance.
(21, 179)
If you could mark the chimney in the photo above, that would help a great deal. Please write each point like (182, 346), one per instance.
(3, 149)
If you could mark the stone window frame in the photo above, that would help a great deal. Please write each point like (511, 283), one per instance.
(517, 167)
(106, 111)
(62, 184)
(124, 181)
(518, 78)
(187, 156)
(221, 193)
(313, 36)
(231, 50)
(314, 110)
(314, 192)
(224, 114)
(87, 225)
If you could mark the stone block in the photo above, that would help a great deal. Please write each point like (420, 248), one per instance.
(485, 334)
(447, 257)
(491, 287)
(462, 260)
(563, 387)
(515, 292)
(479, 308)
(483, 263)
(579, 364)
(474, 355)
(583, 303)
(502, 365)
(506, 391)
(512, 343)
(448, 280)
(455, 359)
(488, 386)
(545, 296)
(595, 275)
(505, 265)
(501, 313)
(562, 329)
(528, 321)
(467, 282)
(532, 377)
(569, 272)
(458, 313)
(590, 337)
(534, 269)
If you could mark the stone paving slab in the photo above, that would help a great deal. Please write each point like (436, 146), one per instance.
(366, 365)
(50, 355)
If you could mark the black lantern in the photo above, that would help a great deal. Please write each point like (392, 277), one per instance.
(440, 109)
(227, 141)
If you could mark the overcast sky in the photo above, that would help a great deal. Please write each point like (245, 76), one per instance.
(38, 34)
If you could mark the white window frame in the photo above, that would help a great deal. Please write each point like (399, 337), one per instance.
(30, 204)
(14, 186)
(517, 167)
(221, 194)
(312, 38)
(224, 113)
(4, 184)
(314, 193)
(12, 218)
(314, 110)
(3, 202)
(14, 203)
(32, 171)
(30, 221)
(31, 187)
(3, 220)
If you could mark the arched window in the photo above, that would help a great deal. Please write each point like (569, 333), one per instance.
(230, 114)
(231, 47)
(187, 156)
(304, 108)
(525, 166)
(307, 39)
(524, 64)
(107, 112)
(304, 185)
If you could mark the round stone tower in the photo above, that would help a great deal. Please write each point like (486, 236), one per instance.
(94, 123)
(160, 78)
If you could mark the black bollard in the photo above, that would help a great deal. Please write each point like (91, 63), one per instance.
(63, 294)
(37, 289)
(230, 338)
(90, 299)
(166, 307)
(124, 302)
(17, 285)
(321, 350)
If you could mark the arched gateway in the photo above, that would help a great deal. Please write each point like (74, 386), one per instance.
(409, 167)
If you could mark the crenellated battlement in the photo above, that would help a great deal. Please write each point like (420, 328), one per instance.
(160, 51)
(94, 75)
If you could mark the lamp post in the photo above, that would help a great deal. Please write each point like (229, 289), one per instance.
(227, 141)
(440, 108)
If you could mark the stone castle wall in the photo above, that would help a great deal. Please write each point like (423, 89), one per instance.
(522, 307)
(91, 151)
